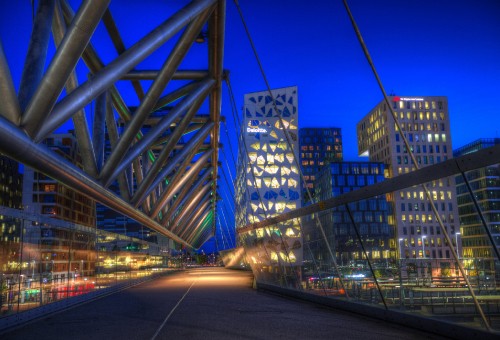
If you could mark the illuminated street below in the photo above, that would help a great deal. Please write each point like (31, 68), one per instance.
(206, 303)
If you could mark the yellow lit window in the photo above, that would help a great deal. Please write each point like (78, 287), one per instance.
(272, 169)
(279, 157)
(255, 146)
(273, 134)
(274, 183)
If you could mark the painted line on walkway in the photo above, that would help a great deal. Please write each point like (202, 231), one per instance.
(172, 311)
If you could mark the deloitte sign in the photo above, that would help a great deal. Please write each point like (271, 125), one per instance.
(254, 130)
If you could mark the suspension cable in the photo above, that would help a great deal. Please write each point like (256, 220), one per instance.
(288, 140)
(415, 163)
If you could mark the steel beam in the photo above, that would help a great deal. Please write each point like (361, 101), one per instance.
(61, 66)
(21, 148)
(451, 167)
(79, 119)
(120, 66)
(10, 108)
(177, 158)
(34, 63)
(184, 182)
(111, 169)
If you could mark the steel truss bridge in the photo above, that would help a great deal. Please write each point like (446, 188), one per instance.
(166, 173)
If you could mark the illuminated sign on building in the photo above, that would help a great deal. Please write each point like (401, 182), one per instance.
(408, 98)
(256, 130)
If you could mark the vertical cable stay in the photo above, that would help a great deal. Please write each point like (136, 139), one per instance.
(415, 163)
(289, 143)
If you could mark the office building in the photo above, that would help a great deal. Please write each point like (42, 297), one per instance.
(268, 181)
(318, 146)
(425, 123)
(44, 196)
(370, 216)
(477, 251)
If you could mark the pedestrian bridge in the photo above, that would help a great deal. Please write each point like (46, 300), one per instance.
(148, 137)
(210, 303)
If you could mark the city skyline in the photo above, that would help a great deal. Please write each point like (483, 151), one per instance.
(419, 48)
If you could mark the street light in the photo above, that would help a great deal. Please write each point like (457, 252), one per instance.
(456, 242)
(423, 246)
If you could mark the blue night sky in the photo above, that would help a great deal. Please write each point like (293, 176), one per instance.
(419, 47)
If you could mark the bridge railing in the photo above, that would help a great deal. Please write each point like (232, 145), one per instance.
(349, 249)
(47, 262)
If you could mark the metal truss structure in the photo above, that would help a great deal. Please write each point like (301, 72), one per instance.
(162, 154)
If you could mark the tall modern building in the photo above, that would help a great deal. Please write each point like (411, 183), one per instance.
(370, 216)
(45, 196)
(318, 146)
(425, 123)
(485, 184)
(11, 183)
(268, 181)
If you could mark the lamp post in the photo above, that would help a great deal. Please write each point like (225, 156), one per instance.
(456, 242)
(423, 246)
(401, 290)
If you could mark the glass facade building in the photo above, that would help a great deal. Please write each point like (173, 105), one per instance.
(370, 216)
(318, 146)
(485, 184)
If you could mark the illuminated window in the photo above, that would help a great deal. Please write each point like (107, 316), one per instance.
(261, 160)
(279, 157)
(283, 146)
(280, 207)
(285, 171)
(273, 134)
(272, 169)
(252, 156)
(289, 157)
(274, 183)
(255, 146)
(292, 183)
(256, 172)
